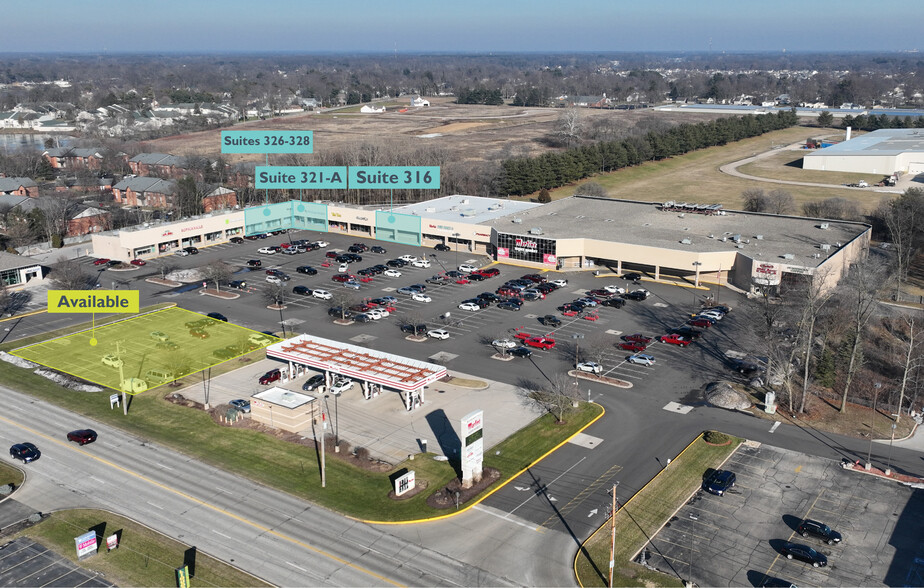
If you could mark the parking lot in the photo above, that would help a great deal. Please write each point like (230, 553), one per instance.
(735, 539)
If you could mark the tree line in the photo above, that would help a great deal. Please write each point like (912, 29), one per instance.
(873, 122)
(525, 175)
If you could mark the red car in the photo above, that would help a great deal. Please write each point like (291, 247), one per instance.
(505, 291)
(540, 342)
(270, 377)
(600, 293)
(137, 262)
(637, 338)
(632, 346)
(101, 261)
(342, 278)
(700, 322)
(489, 272)
(675, 339)
(82, 437)
(331, 254)
(199, 333)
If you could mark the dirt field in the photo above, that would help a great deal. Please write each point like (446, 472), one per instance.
(465, 132)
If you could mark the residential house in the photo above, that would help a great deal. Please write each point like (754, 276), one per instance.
(145, 191)
(74, 158)
(417, 101)
(586, 101)
(19, 187)
(89, 220)
(158, 164)
(369, 109)
(80, 219)
(219, 198)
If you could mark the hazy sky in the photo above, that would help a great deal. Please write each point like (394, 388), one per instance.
(461, 26)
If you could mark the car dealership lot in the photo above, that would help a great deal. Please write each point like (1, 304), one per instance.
(734, 540)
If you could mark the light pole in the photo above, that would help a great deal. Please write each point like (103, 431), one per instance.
(456, 237)
(889, 463)
(869, 454)
(696, 265)
(336, 422)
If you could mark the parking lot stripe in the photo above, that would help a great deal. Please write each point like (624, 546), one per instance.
(577, 500)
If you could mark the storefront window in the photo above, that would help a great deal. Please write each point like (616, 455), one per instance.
(526, 248)
(209, 237)
(9, 277)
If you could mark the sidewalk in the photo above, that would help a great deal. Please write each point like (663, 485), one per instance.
(915, 441)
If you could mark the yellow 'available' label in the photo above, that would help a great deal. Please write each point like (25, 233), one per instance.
(86, 301)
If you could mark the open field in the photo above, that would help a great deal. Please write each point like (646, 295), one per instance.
(695, 177)
(787, 165)
(161, 342)
(642, 516)
(144, 557)
(466, 132)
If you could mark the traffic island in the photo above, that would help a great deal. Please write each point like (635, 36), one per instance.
(219, 294)
(502, 356)
(416, 338)
(601, 379)
(164, 282)
(454, 494)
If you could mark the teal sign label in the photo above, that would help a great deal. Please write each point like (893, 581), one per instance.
(385, 177)
(267, 142)
(315, 177)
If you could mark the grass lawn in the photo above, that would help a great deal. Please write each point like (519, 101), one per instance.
(787, 165)
(290, 467)
(144, 558)
(10, 475)
(695, 177)
(643, 515)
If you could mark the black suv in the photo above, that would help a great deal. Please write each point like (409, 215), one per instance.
(307, 270)
(377, 249)
(638, 295)
(315, 381)
(550, 320)
(632, 276)
(412, 329)
(819, 529)
(614, 302)
(441, 247)
(217, 316)
(303, 290)
(718, 482)
(396, 263)
(191, 250)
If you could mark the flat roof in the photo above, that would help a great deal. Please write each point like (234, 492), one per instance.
(881, 142)
(644, 223)
(283, 397)
(469, 209)
(392, 371)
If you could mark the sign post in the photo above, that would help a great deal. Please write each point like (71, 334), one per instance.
(472, 447)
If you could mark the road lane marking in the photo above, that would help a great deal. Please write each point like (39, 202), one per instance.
(538, 490)
(202, 503)
(480, 508)
(775, 425)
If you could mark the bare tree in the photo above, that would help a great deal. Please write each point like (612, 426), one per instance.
(217, 272)
(343, 300)
(910, 340)
(863, 282)
(165, 266)
(556, 396)
(779, 202)
(275, 294)
(755, 199)
(591, 189)
(70, 275)
(814, 298)
(20, 233)
(571, 126)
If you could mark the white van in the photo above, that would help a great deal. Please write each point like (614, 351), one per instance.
(158, 375)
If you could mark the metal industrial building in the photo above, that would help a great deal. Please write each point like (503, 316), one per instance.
(885, 152)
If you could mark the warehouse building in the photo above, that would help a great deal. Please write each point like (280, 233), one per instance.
(885, 152)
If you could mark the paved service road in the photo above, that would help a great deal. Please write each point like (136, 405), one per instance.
(272, 535)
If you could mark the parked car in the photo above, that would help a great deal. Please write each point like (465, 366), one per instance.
(559, 283)
(217, 316)
(321, 243)
(540, 342)
(689, 332)
(468, 268)
(700, 322)
(550, 320)
(820, 530)
(600, 292)
(632, 346)
(340, 385)
(638, 338)
(490, 272)
(341, 278)
(270, 377)
(302, 290)
(237, 284)
(191, 250)
(414, 329)
(377, 249)
(82, 436)
(199, 333)
(469, 306)
(442, 247)
(158, 335)
(138, 262)
(590, 366)
(392, 273)
(101, 261)
(254, 263)
(351, 284)
(307, 270)
(437, 279)
(313, 383)
(614, 302)
(421, 297)
(632, 276)
(641, 359)
(438, 333)
(613, 289)
(719, 481)
(637, 295)
(182, 252)
(236, 240)
(167, 346)
(504, 343)
(475, 277)
(198, 323)
(508, 305)
(274, 279)
(240, 404)
(408, 258)
(675, 339)
(25, 452)
(521, 352)
(267, 250)
(322, 294)
(804, 553)
(396, 263)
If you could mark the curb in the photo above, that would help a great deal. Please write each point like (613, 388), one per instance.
(19, 316)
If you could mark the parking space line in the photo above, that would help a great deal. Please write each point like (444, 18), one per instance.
(577, 500)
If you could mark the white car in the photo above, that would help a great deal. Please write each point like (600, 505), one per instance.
(112, 361)
(713, 314)
(159, 336)
(273, 279)
(341, 385)
(392, 273)
(322, 294)
(321, 243)
(344, 268)
(408, 258)
(378, 313)
(642, 359)
(468, 268)
(266, 250)
(438, 334)
(469, 306)
(351, 284)
(504, 343)
(420, 263)
(421, 297)
(181, 252)
(590, 366)
(559, 283)
(614, 289)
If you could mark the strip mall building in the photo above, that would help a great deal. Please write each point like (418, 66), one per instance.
(690, 242)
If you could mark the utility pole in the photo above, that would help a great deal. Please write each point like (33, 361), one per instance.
(323, 432)
(613, 535)
(122, 378)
